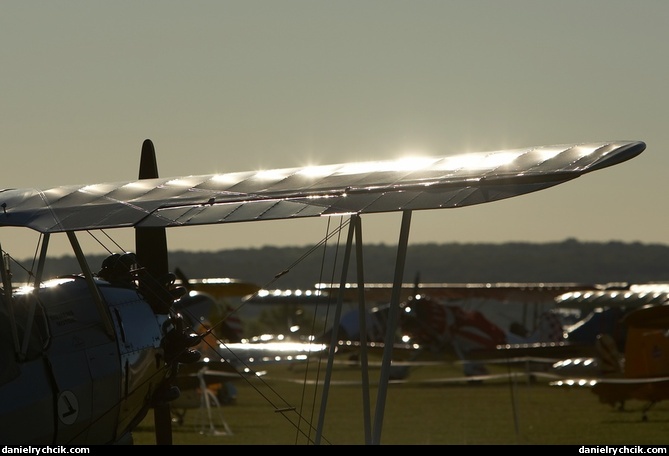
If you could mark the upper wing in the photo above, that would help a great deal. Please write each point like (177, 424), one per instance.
(589, 300)
(501, 291)
(220, 288)
(387, 186)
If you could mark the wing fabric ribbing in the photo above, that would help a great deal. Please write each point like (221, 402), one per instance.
(369, 187)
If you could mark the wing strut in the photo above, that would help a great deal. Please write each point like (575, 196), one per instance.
(34, 297)
(355, 227)
(97, 296)
(362, 314)
(333, 337)
(393, 317)
(7, 287)
(42, 260)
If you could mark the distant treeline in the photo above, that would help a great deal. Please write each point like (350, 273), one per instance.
(300, 267)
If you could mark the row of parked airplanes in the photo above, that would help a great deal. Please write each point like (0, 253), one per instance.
(86, 356)
(612, 338)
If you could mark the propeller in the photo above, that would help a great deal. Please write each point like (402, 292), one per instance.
(185, 281)
(156, 282)
(151, 243)
(222, 320)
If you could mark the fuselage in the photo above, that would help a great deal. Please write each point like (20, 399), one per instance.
(78, 379)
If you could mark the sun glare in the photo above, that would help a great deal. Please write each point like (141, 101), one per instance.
(271, 175)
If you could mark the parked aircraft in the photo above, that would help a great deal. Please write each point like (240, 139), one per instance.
(444, 321)
(603, 311)
(594, 311)
(592, 342)
(206, 311)
(227, 353)
(87, 355)
(642, 374)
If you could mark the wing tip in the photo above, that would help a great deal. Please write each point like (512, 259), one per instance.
(621, 151)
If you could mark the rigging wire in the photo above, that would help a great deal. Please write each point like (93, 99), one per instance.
(287, 407)
(327, 315)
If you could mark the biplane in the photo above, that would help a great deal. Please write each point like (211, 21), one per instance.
(593, 344)
(86, 356)
(639, 373)
(593, 311)
(463, 322)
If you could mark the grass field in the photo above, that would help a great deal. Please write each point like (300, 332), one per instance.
(421, 411)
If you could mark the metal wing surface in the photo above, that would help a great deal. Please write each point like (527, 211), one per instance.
(501, 291)
(588, 300)
(367, 187)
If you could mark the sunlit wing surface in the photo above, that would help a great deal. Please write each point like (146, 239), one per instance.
(518, 292)
(243, 355)
(459, 380)
(292, 296)
(588, 300)
(223, 287)
(384, 186)
(545, 350)
(612, 380)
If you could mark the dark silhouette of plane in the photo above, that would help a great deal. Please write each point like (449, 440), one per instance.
(86, 356)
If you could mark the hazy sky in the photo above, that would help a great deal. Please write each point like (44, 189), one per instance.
(240, 85)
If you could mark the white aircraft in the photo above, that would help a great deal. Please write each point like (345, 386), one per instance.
(86, 356)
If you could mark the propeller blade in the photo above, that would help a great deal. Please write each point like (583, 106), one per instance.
(184, 279)
(151, 243)
(151, 251)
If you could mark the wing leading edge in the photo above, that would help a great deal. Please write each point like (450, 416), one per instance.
(370, 187)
